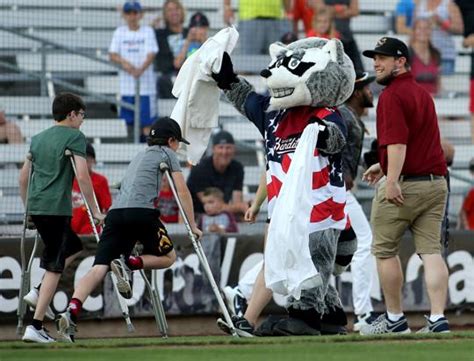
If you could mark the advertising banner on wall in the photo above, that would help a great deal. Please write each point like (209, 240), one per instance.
(185, 290)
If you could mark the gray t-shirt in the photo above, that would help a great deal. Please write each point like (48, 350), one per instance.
(142, 182)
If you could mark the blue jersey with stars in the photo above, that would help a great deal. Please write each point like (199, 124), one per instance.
(281, 130)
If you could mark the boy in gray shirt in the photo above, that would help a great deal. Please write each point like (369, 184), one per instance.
(133, 218)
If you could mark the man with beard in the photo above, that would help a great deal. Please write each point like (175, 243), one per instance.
(362, 265)
(413, 194)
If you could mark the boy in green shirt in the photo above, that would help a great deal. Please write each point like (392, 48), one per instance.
(49, 198)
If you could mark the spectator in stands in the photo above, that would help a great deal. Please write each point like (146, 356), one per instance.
(170, 39)
(197, 34)
(134, 47)
(260, 23)
(466, 216)
(323, 26)
(222, 171)
(425, 59)
(343, 11)
(9, 132)
(404, 16)
(305, 10)
(80, 223)
(467, 10)
(216, 219)
(446, 20)
(166, 203)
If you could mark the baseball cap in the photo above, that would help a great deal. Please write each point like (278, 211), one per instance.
(130, 6)
(198, 19)
(223, 137)
(90, 151)
(390, 47)
(165, 128)
(362, 79)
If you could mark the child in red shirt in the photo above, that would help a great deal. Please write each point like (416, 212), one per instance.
(80, 222)
(323, 26)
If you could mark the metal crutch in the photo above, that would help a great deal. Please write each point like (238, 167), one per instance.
(199, 251)
(158, 310)
(122, 302)
(25, 268)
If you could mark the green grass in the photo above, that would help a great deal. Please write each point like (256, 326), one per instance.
(455, 346)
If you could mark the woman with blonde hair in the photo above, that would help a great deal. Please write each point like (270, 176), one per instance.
(170, 40)
(425, 59)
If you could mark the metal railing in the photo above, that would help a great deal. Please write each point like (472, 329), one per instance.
(46, 77)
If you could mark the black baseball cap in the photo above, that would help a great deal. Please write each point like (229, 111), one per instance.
(362, 79)
(223, 137)
(165, 128)
(198, 20)
(390, 47)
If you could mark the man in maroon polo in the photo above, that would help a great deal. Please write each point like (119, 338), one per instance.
(413, 193)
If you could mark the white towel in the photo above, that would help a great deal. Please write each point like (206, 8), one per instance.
(288, 265)
(197, 108)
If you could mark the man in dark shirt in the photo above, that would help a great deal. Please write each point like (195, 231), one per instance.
(413, 195)
(222, 171)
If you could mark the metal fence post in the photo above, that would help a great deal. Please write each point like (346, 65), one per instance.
(136, 115)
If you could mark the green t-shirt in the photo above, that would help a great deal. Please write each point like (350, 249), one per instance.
(51, 183)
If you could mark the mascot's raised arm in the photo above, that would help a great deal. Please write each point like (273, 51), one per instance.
(304, 135)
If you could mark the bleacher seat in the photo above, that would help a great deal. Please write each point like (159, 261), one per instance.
(92, 128)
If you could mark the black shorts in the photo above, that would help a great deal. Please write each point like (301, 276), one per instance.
(124, 227)
(59, 240)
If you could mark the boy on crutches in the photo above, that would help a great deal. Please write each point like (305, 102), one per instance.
(133, 218)
(49, 198)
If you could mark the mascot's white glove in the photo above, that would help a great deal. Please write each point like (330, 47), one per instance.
(226, 75)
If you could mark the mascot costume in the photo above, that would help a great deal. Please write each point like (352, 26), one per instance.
(304, 136)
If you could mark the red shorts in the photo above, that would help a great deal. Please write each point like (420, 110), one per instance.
(471, 103)
(303, 12)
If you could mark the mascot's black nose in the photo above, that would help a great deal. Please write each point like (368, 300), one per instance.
(265, 73)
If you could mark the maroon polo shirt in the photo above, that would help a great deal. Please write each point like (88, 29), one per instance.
(406, 115)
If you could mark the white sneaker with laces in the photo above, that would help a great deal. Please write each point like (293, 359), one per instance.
(123, 274)
(65, 326)
(40, 336)
(31, 298)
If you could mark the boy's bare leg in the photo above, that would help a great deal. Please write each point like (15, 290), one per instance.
(436, 278)
(158, 262)
(259, 299)
(90, 281)
(46, 292)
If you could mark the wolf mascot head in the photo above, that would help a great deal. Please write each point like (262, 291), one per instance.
(311, 71)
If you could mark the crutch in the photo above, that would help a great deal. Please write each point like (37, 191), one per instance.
(122, 302)
(158, 310)
(25, 268)
(199, 251)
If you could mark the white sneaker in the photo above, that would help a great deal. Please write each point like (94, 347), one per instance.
(235, 301)
(33, 335)
(65, 326)
(31, 298)
(123, 274)
(364, 320)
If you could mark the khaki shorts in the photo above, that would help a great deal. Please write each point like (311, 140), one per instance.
(422, 212)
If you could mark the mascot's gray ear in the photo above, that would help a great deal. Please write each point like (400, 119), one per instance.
(276, 49)
(335, 48)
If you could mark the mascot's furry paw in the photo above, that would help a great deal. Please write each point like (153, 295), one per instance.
(226, 75)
